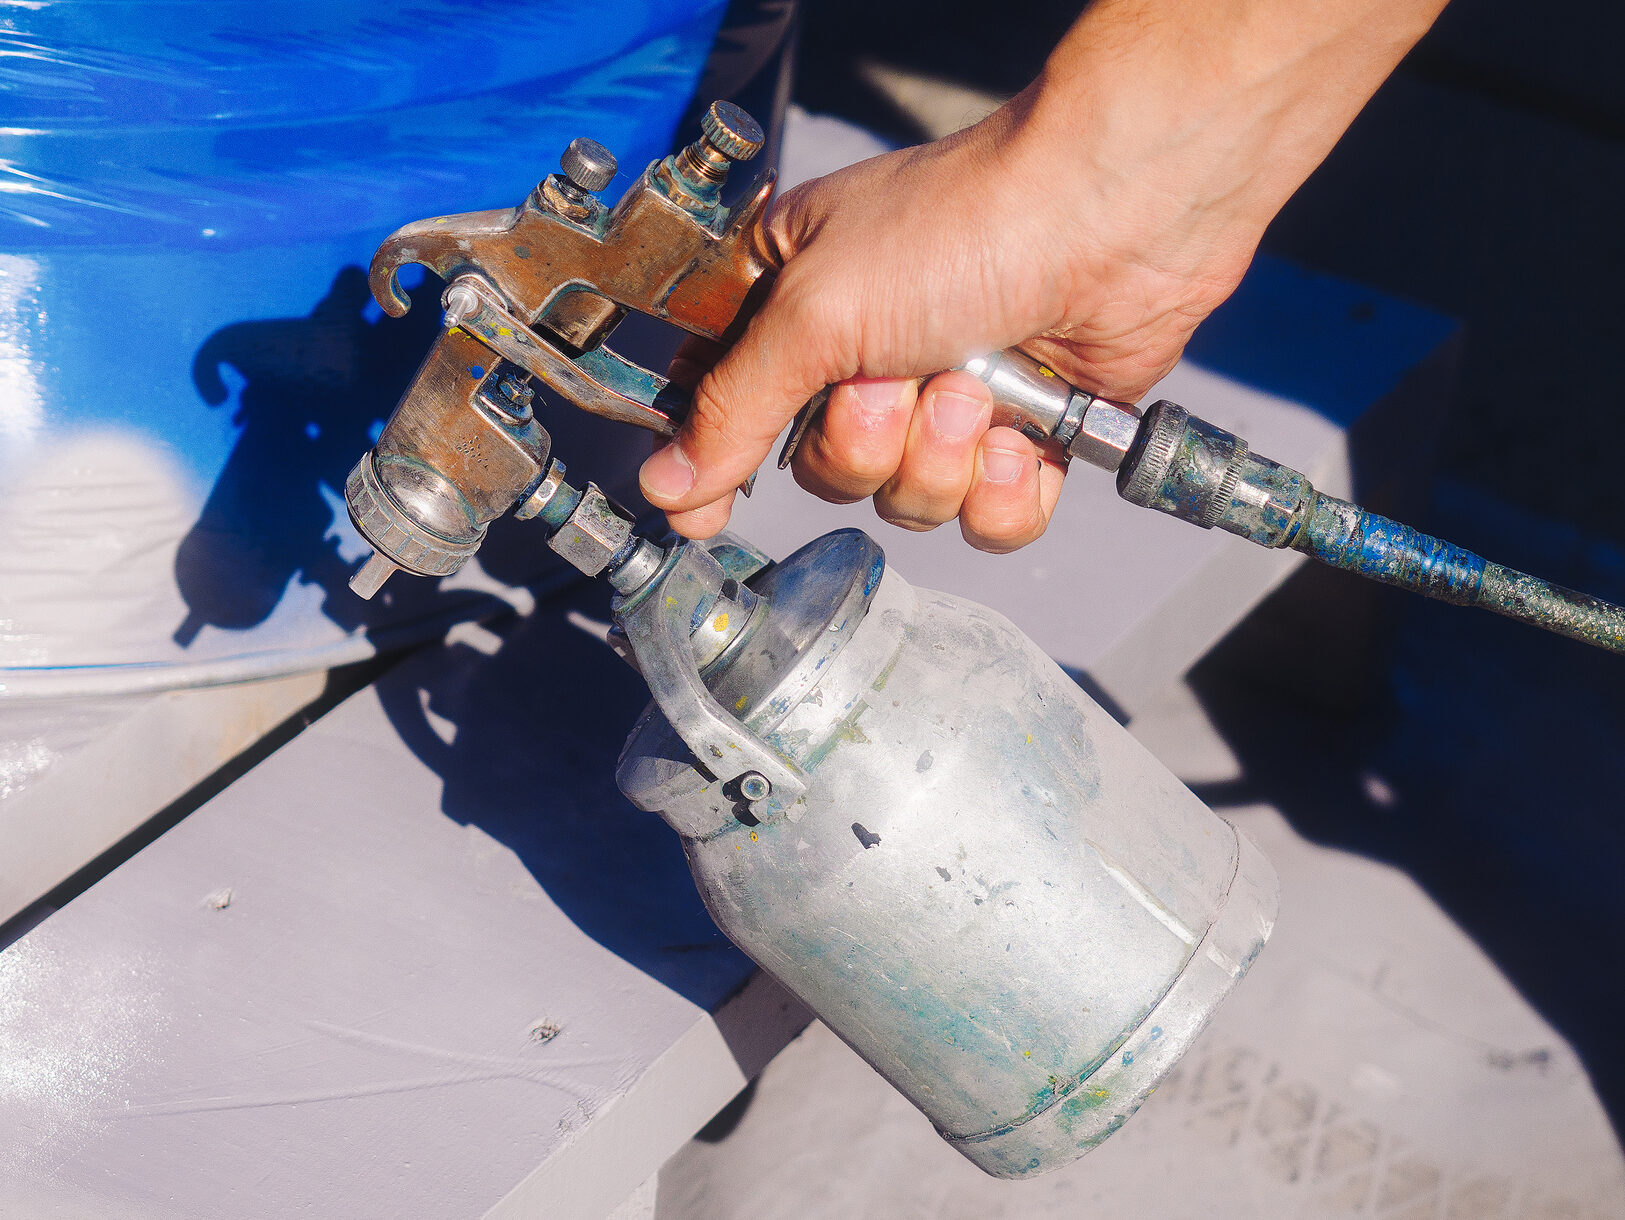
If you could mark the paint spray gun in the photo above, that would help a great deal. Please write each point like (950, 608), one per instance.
(889, 797)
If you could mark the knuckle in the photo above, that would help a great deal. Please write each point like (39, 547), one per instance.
(852, 465)
(811, 479)
(1001, 527)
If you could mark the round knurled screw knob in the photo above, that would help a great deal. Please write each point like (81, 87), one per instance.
(588, 164)
(732, 132)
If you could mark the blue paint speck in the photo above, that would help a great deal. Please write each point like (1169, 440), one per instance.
(1156, 1032)
(1128, 1058)
(476, 370)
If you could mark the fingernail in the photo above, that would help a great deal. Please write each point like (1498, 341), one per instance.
(877, 399)
(668, 474)
(685, 373)
(1002, 466)
(955, 416)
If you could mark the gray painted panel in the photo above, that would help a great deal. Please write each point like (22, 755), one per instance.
(324, 989)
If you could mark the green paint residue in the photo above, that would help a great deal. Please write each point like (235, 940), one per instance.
(1078, 1104)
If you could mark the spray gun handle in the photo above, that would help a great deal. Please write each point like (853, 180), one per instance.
(1176, 463)
(1035, 401)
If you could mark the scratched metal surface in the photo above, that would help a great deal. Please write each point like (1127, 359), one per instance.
(392, 971)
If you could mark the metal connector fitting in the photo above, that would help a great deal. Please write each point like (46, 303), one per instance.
(638, 568)
(1198, 472)
(593, 534)
(1105, 434)
(1027, 396)
(542, 494)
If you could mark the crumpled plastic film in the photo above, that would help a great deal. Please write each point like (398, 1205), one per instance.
(189, 359)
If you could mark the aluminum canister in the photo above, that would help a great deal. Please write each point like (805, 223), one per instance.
(988, 888)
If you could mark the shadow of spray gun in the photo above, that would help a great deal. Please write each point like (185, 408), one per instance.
(314, 387)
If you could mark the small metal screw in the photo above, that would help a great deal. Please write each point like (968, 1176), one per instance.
(754, 786)
(588, 164)
(509, 398)
(518, 392)
(732, 132)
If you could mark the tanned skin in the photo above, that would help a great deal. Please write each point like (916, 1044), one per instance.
(1095, 220)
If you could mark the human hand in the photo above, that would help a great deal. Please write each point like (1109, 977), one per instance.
(1095, 221)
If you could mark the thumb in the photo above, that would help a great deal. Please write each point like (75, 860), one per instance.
(743, 403)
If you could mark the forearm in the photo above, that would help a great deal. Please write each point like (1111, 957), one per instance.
(1095, 220)
(1227, 105)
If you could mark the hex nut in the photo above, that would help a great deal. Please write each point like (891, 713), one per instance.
(593, 533)
(1105, 435)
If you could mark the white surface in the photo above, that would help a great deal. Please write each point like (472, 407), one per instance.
(381, 979)
(78, 775)
(1373, 1063)
(640, 1204)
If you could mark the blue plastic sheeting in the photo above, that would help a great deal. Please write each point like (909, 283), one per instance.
(189, 360)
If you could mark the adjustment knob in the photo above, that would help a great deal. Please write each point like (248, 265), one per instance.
(732, 132)
(588, 164)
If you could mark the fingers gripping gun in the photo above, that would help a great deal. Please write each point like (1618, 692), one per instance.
(532, 294)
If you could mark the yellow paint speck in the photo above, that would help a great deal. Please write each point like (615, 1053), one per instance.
(722, 622)
(671, 601)
(739, 847)
(740, 706)
(1026, 1054)
(440, 220)
(1046, 370)
(754, 836)
(504, 332)
(1029, 739)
